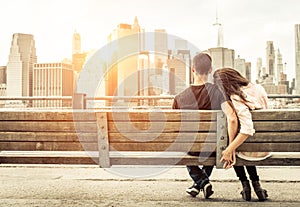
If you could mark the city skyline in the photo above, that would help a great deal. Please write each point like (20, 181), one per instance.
(247, 28)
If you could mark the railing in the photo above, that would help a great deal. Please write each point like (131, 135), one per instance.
(283, 96)
(80, 101)
(45, 102)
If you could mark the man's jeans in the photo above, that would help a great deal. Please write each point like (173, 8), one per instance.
(200, 176)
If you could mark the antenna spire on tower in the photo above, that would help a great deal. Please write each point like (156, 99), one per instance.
(220, 29)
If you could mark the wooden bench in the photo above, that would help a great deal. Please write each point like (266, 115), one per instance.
(140, 137)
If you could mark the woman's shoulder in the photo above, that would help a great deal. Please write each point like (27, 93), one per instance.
(260, 88)
(255, 87)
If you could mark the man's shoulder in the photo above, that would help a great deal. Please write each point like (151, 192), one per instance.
(184, 93)
(213, 89)
(211, 86)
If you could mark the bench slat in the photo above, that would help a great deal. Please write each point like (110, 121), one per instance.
(275, 137)
(146, 146)
(46, 157)
(144, 127)
(114, 137)
(179, 147)
(42, 115)
(77, 146)
(270, 147)
(162, 137)
(276, 114)
(125, 158)
(48, 136)
(129, 158)
(48, 146)
(277, 126)
(142, 160)
(277, 159)
(165, 115)
(34, 126)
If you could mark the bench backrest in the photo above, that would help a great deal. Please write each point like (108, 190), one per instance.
(111, 134)
(276, 130)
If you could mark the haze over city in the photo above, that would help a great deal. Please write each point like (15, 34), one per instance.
(247, 24)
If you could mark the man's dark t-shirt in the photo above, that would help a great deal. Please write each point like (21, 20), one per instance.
(199, 97)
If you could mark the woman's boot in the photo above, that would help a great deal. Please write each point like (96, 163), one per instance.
(246, 192)
(261, 193)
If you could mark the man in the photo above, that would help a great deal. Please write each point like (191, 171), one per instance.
(204, 96)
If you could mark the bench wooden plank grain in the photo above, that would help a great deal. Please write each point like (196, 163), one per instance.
(158, 115)
(276, 115)
(38, 136)
(163, 137)
(49, 126)
(269, 147)
(160, 126)
(46, 115)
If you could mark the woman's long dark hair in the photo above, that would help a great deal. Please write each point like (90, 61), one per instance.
(230, 82)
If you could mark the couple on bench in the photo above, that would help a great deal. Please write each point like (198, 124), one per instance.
(236, 96)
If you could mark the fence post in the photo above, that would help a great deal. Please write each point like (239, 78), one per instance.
(79, 101)
(222, 137)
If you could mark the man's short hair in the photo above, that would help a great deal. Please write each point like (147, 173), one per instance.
(202, 63)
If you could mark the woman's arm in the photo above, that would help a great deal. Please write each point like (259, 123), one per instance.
(232, 128)
(240, 139)
(246, 129)
(232, 120)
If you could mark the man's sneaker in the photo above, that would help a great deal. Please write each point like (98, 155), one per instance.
(193, 190)
(207, 190)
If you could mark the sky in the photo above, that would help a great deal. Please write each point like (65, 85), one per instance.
(247, 24)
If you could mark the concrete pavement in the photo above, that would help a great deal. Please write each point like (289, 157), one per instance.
(60, 185)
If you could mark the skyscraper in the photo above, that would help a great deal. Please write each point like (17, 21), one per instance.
(160, 47)
(297, 57)
(243, 67)
(259, 69)
(122, 77)
(240, 65)
(179, 66)
(270, 55)
(20, 65)
(279, 67)
(78, 57)
(53, 79)
(2, 74)
(2, 83)
(181, 44)
(221, 56)
(76, 43)
(248, 71)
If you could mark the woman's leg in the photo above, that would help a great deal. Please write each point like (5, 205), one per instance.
(260, 192)
(252, 173)
(240, 172)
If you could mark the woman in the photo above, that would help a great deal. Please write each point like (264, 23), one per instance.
(245, 96)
